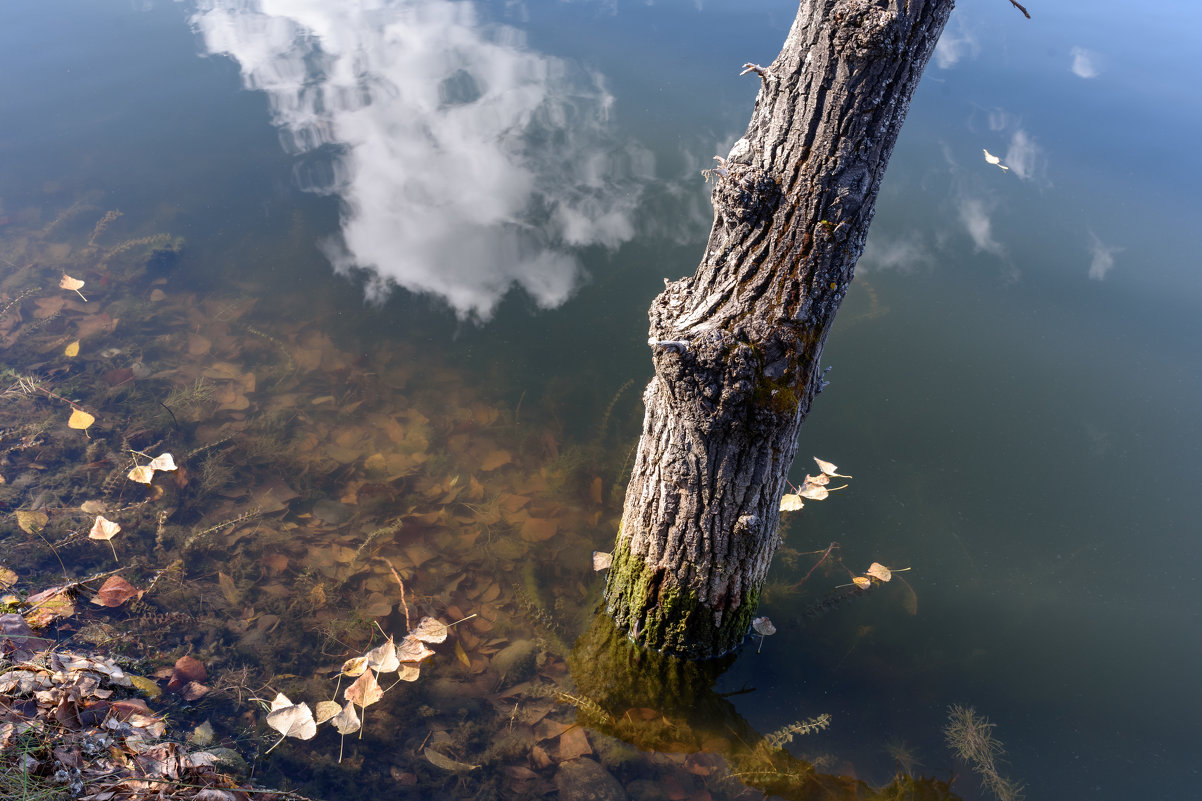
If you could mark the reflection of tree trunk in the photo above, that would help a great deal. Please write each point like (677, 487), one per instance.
(659, 702)
(736, 347)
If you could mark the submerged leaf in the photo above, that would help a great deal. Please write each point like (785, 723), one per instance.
(31, 522)
(80, 420)
(446, 763)
(72, 350)
(115, 591)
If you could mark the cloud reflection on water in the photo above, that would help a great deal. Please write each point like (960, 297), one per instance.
(466, 162)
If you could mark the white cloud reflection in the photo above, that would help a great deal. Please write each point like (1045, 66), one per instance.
(466, 163)
(956, 43)
(1101, 257)
(974, 214)
(1085, 63)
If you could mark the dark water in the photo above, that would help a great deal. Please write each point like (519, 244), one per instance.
(1015, 388)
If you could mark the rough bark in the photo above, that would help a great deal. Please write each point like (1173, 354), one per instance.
(736, 347)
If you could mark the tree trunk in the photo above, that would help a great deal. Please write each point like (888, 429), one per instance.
(736, 347)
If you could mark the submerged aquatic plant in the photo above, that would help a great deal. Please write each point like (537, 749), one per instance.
(970, 735)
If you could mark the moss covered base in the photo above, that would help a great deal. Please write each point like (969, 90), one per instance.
(657, 612)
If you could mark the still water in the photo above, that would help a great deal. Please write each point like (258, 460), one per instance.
(400, 254)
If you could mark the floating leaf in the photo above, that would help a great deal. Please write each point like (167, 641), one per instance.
(789, 502)
(72, 350)
(814, 493)
(412, 649)
(828, 468)
(601, 560)
(80, 420)
(346, 721)
(115, 591)
(992, 159)
(763, 626)
(141, 474)
(354, 667)
(409, 672)
(164, 461)
(326, 710)
(103, 529)
(822, 479)
(31, 522)
(863, 582)
(430, 630)
(365, 691)
(291, 720)
(879, 571)
(72, 284)
(383, 658)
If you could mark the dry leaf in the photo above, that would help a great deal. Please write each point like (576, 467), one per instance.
(790, 502)
(409, 672)
(72, 350)
(354, 667)
(763, 627)
(863, 582)
(326, 710)
(430, 630)
(141, 474)
(188, 670)
(822, 479)
(72, 284)
(573, 743)
(291, 720)
(537, 529)
(994, 160)
(828, 468)
(494, 460)
(346, 721)
(383, 658)
(164, 461)
(48, 606)
(602, 560)
(879, 571)
(80, 420)
(412, 649)
(115, 591)
(365, 691)
(103, 529)
(814, 493)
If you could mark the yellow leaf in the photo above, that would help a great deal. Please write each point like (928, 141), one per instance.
(790, 502)
(325, 710)
(828, 468)
(80, 419)
(141, 474)
(879, 571)
(354, 667)
(862, 582)
(144, 685)
(72, 350)
(461, 655)
(31, 522)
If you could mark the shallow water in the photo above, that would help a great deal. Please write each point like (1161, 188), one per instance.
(1015, 383)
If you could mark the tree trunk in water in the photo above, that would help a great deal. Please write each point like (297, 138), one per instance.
(736, 347)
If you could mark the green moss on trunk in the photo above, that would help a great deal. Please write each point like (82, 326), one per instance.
(661, 614)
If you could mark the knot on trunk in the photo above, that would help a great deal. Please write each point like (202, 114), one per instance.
(743, 194)
(736, 380)
(865, 32)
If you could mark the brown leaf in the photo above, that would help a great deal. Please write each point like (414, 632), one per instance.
(193, 691)
(430, 630)
(48, 606)
(495, 459)
(187, 669)
(879, 572)
(573, 743)
(115, 591)
(412, 649)
(538, 529)
(31, 522)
